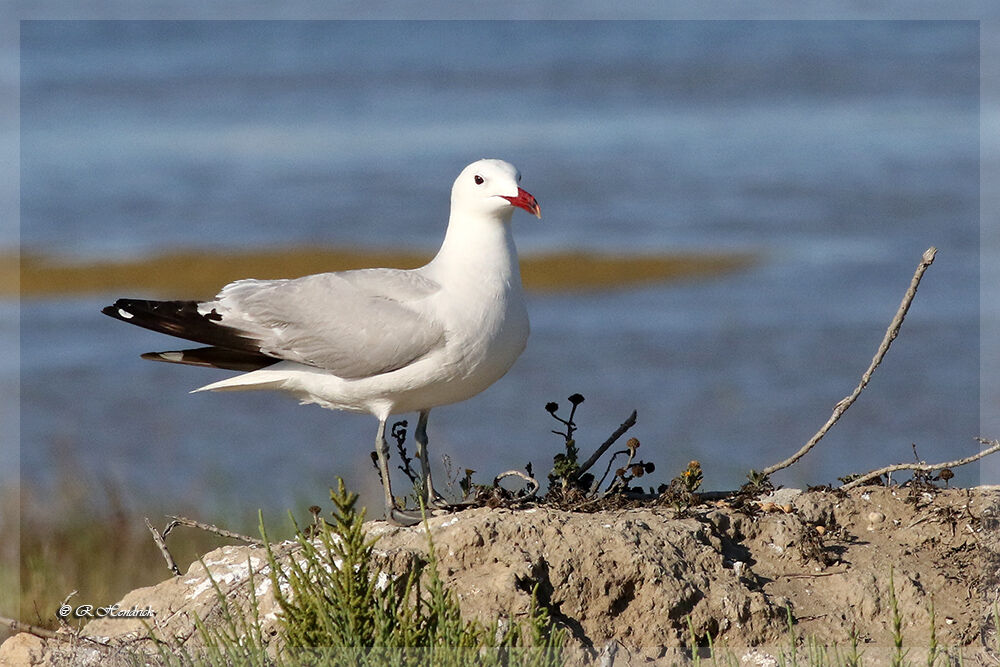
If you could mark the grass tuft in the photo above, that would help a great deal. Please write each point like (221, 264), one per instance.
(898, 654)
(338, 608)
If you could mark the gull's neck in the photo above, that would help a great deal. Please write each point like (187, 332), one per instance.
(477, 248)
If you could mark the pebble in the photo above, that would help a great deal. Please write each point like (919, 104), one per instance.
(874, 518)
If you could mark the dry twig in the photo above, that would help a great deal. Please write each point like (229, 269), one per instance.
(161, 538)
(994, 446)
(45, 633)
(531, 481)
(222, 532)
(597, 484)
(162, 544)
(619, 432)
(890, 335)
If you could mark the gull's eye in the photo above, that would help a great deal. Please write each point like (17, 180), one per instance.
(479, 179)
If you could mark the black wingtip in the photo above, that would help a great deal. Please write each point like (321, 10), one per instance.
(124, 309)
(214, 357)
(182, 319)
(117, 311)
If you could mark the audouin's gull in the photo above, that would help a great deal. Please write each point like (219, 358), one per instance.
(383, 341)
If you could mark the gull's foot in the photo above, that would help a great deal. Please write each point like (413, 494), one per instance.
(403, 518)
(438, 506)
(444, 506)
(438, 502)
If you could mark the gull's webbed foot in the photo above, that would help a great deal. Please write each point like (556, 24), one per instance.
(403, 518)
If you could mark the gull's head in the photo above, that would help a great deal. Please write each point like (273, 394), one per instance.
(490, 187)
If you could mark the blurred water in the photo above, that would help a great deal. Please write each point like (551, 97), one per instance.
(839, 151)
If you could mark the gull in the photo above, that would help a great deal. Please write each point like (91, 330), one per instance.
(377, 341)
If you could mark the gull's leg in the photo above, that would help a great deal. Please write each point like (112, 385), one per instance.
(431, 497)
(392, 514)
(382, 450)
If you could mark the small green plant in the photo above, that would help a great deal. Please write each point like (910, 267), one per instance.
(933, 648)
(757, 482)
(565, 465)
(853, 659)
(898, 654)
(695, 648)
(680, 492)
(816, 653)
(793, 639)
(338, 609)
(691, 478)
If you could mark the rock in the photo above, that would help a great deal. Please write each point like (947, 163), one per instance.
(782, 497)
(23, 649)
(874, 519)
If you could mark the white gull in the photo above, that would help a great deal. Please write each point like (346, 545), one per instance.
(381, 341)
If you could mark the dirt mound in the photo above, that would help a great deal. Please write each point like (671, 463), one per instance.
(651, 579)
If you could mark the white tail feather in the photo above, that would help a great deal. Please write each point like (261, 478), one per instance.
(262, 379)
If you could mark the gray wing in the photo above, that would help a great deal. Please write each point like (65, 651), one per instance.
(353, 323)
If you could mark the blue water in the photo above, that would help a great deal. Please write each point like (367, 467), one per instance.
(837, 151)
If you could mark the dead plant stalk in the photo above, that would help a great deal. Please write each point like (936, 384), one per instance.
(890, 335)
(994, 446)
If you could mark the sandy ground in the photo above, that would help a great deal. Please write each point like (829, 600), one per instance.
(650, 582)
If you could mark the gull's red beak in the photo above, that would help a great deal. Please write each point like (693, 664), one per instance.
(526, 201)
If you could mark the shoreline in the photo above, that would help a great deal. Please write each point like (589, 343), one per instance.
(199, 274)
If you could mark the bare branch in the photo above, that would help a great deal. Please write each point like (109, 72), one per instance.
(162, 544)
(222, 532)
(890, 335)
(619, 480)
(531, 481)
(45, 633)
(619, 432)
(597, 484)
(994, 446)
